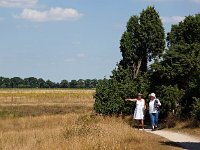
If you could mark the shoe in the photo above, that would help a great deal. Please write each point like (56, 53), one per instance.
(156, 127)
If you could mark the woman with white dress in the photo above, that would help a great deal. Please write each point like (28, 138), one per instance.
(139, 109)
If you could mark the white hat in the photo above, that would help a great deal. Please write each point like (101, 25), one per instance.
(153, 94)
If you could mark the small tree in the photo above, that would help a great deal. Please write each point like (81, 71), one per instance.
(64, 84)
(73, 84)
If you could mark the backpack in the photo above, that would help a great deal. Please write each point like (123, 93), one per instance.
(156, 106)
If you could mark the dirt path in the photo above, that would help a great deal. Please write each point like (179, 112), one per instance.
(185, 141)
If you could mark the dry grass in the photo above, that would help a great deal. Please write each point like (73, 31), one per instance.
(68, 123)
(184, 127)
(30, 96)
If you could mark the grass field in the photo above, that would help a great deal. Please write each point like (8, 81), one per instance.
(64, 119)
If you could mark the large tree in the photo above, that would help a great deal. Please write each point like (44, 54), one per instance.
(180, 67)
(142, 41)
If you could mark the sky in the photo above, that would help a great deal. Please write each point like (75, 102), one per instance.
(72, 39)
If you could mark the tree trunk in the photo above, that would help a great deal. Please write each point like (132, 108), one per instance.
(136, 68)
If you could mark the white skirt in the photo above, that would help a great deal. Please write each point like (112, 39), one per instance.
(138, 114)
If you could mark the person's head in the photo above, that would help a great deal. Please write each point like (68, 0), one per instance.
(152, 96)
(139, 95)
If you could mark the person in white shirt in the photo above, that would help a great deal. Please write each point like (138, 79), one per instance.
(154, 105)
(139, 109)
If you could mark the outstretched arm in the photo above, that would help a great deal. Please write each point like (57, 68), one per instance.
(133, 100)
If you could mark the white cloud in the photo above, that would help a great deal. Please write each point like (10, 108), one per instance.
(18, 3)
(172, 19)
(53, 14)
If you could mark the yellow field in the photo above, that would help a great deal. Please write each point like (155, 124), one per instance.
(64, 119)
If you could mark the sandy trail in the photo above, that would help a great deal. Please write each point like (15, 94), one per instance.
(185, 141)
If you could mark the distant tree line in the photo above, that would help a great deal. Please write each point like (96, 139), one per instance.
(32, 82)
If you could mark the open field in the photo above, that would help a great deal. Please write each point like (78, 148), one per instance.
(64, 119)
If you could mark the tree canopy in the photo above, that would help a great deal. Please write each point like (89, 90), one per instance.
(142, 41)
(180, 66)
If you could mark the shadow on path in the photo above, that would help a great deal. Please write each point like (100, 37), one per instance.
(176, 139)
(185, 145)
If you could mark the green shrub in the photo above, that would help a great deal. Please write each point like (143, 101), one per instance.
(170, 97)
(196, 109)
(111, 94)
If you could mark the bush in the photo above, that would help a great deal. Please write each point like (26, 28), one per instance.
(110, 98)
(111, 94)
(170, 97)
(196, 109)
(171, 120)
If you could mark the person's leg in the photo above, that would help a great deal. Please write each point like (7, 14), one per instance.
(152, 120)
(142, 122)
(138, 124)
(156, 119)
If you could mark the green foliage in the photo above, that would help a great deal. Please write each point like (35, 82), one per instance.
(152, 33)
(111, 94)
(64, 84)
(179, 70)
(180, 65)
(142, 41)
(130, 44)
(32, 82)
(196, 109)
(170, 97)
(107, 97)
(186, 32)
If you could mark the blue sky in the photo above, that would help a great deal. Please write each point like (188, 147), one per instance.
(72, 39)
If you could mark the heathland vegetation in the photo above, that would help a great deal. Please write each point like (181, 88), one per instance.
(64, 119)
(147, 65)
